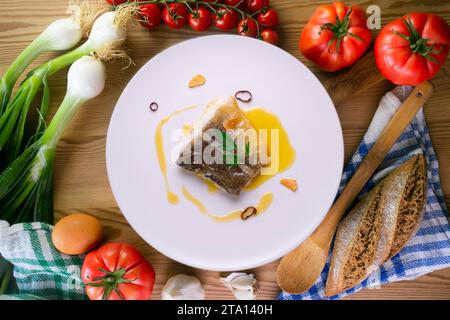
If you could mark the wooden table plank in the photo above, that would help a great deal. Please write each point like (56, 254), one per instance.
(81, 183)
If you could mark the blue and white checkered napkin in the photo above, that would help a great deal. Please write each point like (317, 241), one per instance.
(429, 249)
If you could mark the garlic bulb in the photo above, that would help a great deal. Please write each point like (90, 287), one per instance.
(242, 285)
(183, 287)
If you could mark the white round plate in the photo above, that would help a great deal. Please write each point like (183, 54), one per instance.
(279, 83)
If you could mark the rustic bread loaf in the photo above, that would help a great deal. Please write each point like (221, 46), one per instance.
(411, 206)
(379, 226)
(355, 244)
(394, 185)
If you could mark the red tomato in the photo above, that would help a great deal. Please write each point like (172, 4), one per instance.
(200, 19)
(226, 19)
(116, 2)
(268, 18)
(247, 27)
(150, 15)
(117, 271)
(175, 15)
(255, 5)
(335, 36)
(235, 3)
(412, 49)
(270, 36)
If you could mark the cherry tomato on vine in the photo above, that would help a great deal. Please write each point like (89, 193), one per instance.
(247, 27)
(226, 19)
(255, 5)
(200, 19)
(150, 15)
(116, 2)
(235, 3)
(270, 36)
(268, 18)
(175, 15)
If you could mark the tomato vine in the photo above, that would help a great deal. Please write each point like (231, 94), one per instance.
(218, 9)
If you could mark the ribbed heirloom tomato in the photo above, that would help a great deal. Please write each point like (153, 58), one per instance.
(412, 49)
(117, 271)
(335, 36)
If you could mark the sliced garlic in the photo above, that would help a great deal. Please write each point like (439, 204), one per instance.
(196, 81)
(183, 287)
(242, 285)
(291, 184)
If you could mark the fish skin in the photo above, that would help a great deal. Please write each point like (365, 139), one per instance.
(230, 178)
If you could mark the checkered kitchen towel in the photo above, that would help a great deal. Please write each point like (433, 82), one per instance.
(429, 249)
(40, 270)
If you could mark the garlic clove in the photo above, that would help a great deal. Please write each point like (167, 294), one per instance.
(242, 285)
(183, 287)
(244, 294)
(233, 276)
(243, 282)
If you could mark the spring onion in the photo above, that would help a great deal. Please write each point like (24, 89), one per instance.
(107, 35)
(26, 186)
(61, 34)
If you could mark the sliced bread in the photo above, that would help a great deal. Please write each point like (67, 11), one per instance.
(404, 192)
(355, 244)
(411, 208)
(379, 226)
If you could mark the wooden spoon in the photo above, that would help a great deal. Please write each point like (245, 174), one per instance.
(299, 270)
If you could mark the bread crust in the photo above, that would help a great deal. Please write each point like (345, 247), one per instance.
(399, 202)
(358, 229)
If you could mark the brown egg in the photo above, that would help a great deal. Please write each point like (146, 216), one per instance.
(77, 233)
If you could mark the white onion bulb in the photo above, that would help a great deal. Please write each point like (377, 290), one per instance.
(106, 33)
(62, 34)
(86, 78)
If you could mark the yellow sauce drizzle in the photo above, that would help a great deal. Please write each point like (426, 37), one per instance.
(212, 187)
(194, 200)
(187, 128)
(171, 196)
(263, 119)
(264, 202)
(259, 119)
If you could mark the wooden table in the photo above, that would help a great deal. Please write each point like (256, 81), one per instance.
(81, 183)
